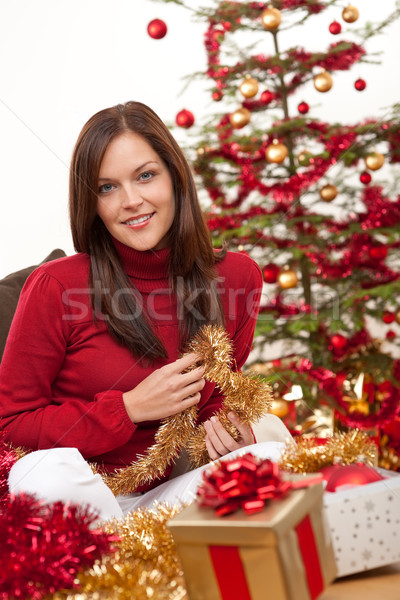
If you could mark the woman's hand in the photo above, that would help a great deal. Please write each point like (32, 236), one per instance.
(165, 392)
(219, 442)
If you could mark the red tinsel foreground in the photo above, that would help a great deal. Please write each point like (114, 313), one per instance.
(246, 483)
(44, 546)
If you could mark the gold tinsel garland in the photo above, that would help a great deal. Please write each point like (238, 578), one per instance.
(146, 564)
(171, 436)
(309, 456)
(19, 451)
(248, 397)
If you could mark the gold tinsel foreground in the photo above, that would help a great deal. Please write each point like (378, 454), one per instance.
(19, 451)
(248, 397)
(310, 456)
(145, 566)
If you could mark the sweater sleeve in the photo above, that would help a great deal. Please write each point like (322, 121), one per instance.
(245, 316)
(36, 347)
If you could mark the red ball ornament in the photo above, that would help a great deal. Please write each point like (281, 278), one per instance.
(184, 118)
(217, 96)
(335, 28)
(365, 177)
(347, 476)
(267, 97)
(157, 29)
(218, 35)
(270, 273)
(303, 108)
(390, 335)
(378, 252)
(360, 84)
(388, 317)
(338, 341)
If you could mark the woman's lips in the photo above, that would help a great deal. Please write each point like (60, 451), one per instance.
(139, 222)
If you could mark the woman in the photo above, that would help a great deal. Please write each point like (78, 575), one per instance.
(92, 359)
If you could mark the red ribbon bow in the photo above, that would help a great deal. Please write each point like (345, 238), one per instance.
(246, 483)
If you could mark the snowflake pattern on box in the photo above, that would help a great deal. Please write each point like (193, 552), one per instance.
(364, 523)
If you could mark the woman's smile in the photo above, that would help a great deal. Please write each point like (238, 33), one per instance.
(140, 221)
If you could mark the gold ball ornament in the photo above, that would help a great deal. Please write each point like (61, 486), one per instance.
(276, 152)
(249, 87)
(239, 118)
(323, 81)
(304, 158)
(287, 278)
(374, 161)
(380, 396)
(328, 192)
(203, 150)
(350, 14)
(359, 406)
(279, 407)
(397, 317)
(271, 18)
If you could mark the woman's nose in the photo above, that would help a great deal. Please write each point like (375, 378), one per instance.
(131, 197)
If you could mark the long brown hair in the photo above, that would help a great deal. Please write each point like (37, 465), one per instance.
(192, 258)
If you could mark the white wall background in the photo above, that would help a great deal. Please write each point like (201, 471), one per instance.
(63, 60)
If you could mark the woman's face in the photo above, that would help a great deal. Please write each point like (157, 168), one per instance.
(135, 197)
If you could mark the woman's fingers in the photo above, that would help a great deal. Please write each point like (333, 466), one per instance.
(166, 391)
(193, 388)
(221, 440)
(181, 383)
(246, 434)
(189, 378)
(191, 382)
(212, 453)
(187, 402)
(181, 364)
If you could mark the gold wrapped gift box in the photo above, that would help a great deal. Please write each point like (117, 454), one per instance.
(283, 552)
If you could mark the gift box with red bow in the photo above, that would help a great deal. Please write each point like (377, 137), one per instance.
(362, 506)
(254, 534)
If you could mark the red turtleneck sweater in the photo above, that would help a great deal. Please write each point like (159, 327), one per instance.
(62, 377)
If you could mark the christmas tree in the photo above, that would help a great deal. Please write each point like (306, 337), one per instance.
(306, 199)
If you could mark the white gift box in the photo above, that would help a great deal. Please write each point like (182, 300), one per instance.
(364, 522)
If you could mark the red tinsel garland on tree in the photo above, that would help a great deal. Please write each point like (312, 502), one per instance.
(249, 169)
(330, 386)
(229, 16)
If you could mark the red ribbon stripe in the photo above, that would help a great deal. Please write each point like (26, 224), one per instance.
(229, 572)
(309, 553)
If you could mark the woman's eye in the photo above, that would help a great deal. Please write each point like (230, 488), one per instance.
(107, 187)
(146, 176)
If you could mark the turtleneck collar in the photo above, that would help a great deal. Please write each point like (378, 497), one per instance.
(148, 264)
